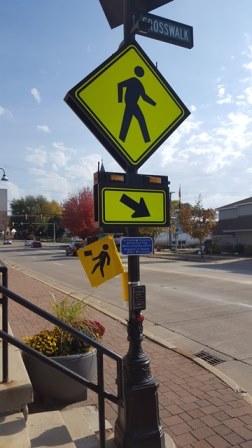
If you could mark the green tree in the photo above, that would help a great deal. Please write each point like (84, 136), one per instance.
(152, 232)
(31, 215)
(197, 221)
(51, 219)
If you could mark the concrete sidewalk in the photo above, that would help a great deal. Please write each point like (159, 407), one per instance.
(199, 407)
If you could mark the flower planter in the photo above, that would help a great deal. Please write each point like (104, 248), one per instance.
(53, 385)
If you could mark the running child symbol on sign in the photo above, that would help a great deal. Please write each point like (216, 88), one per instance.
(103, 259)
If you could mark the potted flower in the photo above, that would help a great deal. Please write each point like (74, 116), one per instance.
(66, 349)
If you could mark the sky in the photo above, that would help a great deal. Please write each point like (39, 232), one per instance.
(47, 47)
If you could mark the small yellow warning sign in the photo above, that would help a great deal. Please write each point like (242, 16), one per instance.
(101, 260)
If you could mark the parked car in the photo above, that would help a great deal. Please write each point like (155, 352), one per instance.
(28, 242)
(205, 250)
(117, 239)
(7, 241)
(36, 244)
(72, 248)
(91, 239)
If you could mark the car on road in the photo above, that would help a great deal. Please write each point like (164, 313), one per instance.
(7, 241)
(36, 243)
(206, 249)
(117, 239)
(28, 242)
(72, 248)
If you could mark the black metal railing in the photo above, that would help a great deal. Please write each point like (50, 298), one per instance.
(98, 387)
(4, 301)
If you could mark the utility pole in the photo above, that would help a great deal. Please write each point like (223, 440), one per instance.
(170, 233)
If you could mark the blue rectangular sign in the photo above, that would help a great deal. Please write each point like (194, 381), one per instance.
(136, 245)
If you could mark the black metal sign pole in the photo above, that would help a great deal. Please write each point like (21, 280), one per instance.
(137, 425)
(128, 19)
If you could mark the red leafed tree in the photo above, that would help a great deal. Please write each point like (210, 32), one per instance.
(78, 214)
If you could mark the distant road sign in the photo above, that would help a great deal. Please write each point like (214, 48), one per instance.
(127, 206)
(166, 30)
(128, 105)
(136, 245)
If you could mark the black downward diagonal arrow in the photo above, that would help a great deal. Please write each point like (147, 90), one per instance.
(140, 208)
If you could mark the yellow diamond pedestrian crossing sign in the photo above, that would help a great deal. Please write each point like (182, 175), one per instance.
(128, 105)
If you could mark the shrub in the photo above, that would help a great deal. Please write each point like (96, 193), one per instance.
(59, 342)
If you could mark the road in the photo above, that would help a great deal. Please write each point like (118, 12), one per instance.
(206, 303)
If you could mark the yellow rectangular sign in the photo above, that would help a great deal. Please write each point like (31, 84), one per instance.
(124, 206)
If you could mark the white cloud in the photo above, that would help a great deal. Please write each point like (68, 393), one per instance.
(38, 172)
(59, 170)
(61, 147)
(248, 66)
(44, 128)
(248, 94)
(37, 156)
(14, 192)
(240, 100)
(5, 112)
(35, 93)
(223, 97)
(200, 149)
(57, 180)
(226, 100)
(59, 159)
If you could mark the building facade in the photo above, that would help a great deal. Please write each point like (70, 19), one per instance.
(235, 223)
(3, 210)
(179, 239)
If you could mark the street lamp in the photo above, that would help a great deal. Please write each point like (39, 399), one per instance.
(4, 177)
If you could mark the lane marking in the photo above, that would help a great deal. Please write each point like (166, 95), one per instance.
(198, 275)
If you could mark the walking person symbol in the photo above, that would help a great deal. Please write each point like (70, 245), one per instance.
(134, 91)
(102, 258)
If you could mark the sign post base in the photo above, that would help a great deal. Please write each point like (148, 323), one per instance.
(138, 424)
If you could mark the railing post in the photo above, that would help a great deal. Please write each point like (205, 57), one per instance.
(4, 301)
(101, 402)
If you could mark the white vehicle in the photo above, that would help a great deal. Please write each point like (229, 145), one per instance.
(7, 241)
(28, 242)
(117, 239)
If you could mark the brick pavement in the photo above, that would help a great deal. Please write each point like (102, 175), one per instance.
(197, 409)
